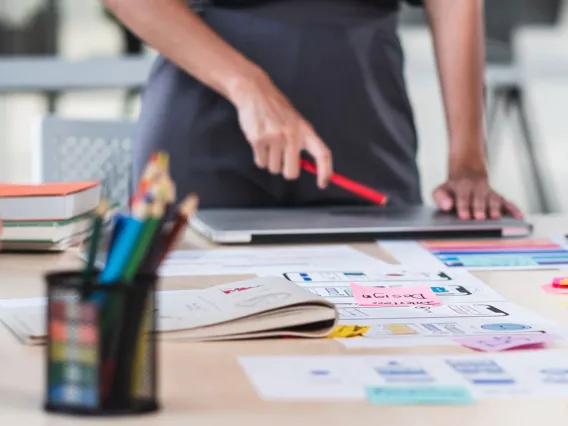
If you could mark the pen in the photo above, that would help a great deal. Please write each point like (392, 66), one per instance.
(362, 191)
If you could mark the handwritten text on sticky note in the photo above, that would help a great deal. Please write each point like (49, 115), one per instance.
(503, 343)
(419, 395)
(409, 296)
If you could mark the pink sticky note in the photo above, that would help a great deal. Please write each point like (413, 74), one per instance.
(400, 296)
(503, 343)
(559, 280)
(549, 288)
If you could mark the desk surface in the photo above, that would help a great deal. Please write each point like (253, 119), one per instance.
(201, 383)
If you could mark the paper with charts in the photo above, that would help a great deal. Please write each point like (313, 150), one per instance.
(469, 307)
(481, 254)
(297, 378)
(235, 261)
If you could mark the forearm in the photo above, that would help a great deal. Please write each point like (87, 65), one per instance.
(173, 29)
(458, 33)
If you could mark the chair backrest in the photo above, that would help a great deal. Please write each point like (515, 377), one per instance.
(71, 150)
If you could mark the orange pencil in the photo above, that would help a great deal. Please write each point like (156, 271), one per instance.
(157, 166)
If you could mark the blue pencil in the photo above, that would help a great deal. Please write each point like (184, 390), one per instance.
(121, 250)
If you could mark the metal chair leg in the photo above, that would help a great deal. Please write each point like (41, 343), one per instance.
(533, 157)
(496, 105)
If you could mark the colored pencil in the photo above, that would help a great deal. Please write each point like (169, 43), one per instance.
(98, 221)
(144, 242)
(117, 226)
(356, 188)
(119, 365)
(116, 319)
(153, 169)
(154, 252)
(140, 349)
(124, 245)
(186, 210)
(164, 160)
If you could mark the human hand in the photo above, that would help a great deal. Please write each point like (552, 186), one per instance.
(469, 193)
(276, 132)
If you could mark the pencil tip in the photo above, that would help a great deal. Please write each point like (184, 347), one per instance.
(189, 205)
(102, 208)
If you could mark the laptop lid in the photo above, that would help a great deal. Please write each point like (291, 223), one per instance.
(352, 223)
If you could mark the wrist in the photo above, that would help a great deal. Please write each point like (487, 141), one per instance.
(468, 163)
(241, 84)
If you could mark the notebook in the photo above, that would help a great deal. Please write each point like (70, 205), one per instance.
(260, 307)
(49, 231)
(49, 201)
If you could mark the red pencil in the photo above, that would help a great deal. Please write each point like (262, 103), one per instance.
(363, 191)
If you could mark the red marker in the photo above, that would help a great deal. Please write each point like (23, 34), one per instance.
(362, 191)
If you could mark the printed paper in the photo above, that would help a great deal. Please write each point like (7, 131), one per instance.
(262, 260)
(395, 395)
(527, 374)
(404, 296)
(448, 285)
(503, 343)
(481, 254)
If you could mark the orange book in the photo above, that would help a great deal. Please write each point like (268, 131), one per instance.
(44, 189)
(49, 201)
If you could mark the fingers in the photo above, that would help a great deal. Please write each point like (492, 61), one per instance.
(473, 199)
(495, 205)
(512, 210)
(322, 156)
(443, 198)
(480, 202)
(291, 162)
(260, 151)
(276, 155)
(463, 195)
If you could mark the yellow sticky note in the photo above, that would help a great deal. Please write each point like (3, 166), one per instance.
(346, 331)
(400, 329)
(564, 303)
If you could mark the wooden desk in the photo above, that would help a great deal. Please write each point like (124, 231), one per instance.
(202, 384)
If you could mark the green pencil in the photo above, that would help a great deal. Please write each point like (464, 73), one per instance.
(144, 242)
(98, 220)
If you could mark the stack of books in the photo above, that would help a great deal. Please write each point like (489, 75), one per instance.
(46, 217)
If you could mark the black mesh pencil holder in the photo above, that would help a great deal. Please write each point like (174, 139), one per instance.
(101, 346)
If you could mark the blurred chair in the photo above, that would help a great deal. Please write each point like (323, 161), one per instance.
(506, 95)
(52, 75)
(504, 81)
(76, 150)
(36, 37)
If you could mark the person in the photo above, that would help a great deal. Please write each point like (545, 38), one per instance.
(243, 89)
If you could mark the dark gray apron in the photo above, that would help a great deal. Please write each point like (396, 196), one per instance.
(341, 65)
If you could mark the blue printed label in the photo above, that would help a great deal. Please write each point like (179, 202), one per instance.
(419, 395)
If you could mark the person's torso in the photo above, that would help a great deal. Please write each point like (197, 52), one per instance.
(383, 4)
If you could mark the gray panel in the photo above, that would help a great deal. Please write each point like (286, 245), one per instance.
(502, 18)
(74, 150)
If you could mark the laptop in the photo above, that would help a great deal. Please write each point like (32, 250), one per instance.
(353, 223)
